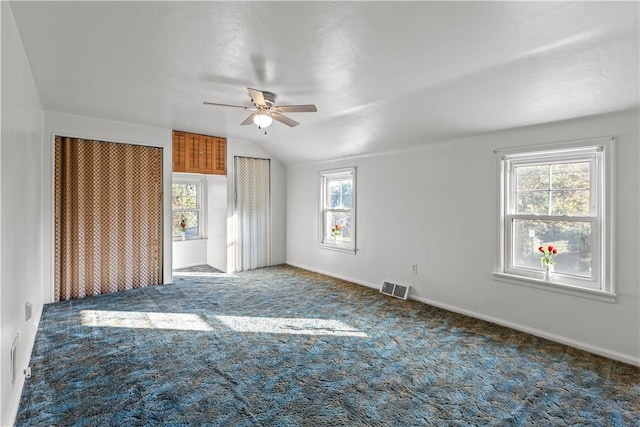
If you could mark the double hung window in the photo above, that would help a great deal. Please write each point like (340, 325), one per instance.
(337, 209)
(557, 196)
(187, 208)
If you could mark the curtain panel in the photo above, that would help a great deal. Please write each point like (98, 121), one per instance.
(108, 217)
(252, 212)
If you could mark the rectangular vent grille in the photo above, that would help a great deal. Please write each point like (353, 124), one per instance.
(395, 290)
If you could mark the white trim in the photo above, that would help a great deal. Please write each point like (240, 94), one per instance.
(594, 294)
(337, 248)
(187, 241)
(335, 276)
(577, 144)
(614, 355)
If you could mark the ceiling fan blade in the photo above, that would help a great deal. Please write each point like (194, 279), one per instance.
(249, 120)
(256, 96)
(215, 104)
(283, 119)
(296, 108)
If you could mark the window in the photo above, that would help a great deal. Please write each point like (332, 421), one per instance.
(558, 196)
(187, 206)
(337, 209)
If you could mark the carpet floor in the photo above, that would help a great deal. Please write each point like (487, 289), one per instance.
(281, 346)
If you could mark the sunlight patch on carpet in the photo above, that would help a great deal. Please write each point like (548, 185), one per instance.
(282, 325)
(143, 320)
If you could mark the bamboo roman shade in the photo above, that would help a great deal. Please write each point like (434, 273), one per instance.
(108, 217)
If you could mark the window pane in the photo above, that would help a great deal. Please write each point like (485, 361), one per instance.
(570, 202)
(532, 177)
(343, 220)
(345, 190)
(333, 194)
(570, 189)
(185, 196)
(532, 202)
(572, 239)
(570, 176)
(532, 189)
(339, 193)
(190, 218)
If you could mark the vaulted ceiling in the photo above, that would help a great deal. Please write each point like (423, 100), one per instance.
(384, 75)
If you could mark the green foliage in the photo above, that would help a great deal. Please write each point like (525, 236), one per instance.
(553, 189)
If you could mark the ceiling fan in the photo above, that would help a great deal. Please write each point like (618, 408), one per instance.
(265, 110)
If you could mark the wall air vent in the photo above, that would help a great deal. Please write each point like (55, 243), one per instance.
(395, 290)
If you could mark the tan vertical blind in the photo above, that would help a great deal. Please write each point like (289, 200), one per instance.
(108, 217)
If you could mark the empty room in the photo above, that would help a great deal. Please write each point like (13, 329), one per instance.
(265, 213)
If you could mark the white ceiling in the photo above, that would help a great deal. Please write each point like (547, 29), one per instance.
(384, 75)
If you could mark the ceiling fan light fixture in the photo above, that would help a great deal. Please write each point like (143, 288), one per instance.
(263, 120)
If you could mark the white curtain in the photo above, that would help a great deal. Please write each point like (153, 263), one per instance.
(252, 212)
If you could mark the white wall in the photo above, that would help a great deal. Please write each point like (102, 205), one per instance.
(102, 130)
(20, 224)
(217, 221)
(188, 253)
(437, 207)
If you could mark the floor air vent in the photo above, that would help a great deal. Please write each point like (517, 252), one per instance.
(395, 290)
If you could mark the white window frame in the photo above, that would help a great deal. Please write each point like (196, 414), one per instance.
(200, 203)
(599, 153)
(324, 177)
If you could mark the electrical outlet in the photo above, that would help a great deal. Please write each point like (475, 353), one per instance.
(414, 268)
(28, 308)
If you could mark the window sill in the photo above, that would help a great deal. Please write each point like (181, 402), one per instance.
(193, 239)
(562, 288)
(338, 248)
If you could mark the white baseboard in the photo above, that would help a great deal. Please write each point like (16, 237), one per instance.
(537, 332)
(335, 276)
(24, 362)
(192, 264)
(621, 357)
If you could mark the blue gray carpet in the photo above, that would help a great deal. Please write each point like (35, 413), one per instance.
(282, 346)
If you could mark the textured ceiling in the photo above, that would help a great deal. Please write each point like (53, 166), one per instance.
(384, 75)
